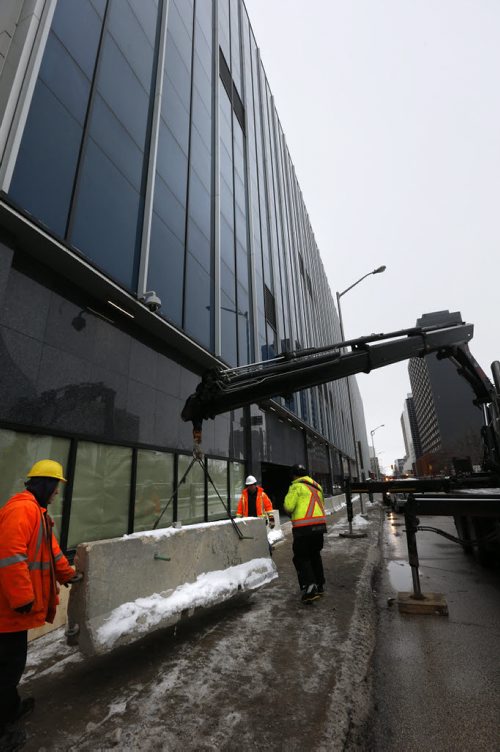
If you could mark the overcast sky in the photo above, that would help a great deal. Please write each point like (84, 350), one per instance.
(391, 111)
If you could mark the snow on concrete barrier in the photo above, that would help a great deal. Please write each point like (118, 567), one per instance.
(151, 580)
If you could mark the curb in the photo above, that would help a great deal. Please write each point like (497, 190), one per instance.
(350, 704)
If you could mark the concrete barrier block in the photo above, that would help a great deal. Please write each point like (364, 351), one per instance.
(147, 581)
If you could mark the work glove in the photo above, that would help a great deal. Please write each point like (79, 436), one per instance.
(77, 577)
(25, 609)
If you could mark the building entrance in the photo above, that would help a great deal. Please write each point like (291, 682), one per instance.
(276, 480)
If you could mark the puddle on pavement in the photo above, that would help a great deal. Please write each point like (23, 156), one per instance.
(400, 576)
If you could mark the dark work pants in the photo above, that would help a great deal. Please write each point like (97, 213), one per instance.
(13, 652)
(307, 557)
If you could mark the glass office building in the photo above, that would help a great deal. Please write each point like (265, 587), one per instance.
(140, 153)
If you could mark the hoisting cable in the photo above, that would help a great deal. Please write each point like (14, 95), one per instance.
(197, 458)
(238, 531)
(175, 491)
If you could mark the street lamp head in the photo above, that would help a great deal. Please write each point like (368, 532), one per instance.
(379, 270)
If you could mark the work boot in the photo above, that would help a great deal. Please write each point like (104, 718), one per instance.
(12, 739)
(310, 594)
(321, 589)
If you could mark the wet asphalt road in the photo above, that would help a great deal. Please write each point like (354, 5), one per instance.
(436, 678)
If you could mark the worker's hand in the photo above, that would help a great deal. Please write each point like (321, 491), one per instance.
(77, 577)
(25, 609)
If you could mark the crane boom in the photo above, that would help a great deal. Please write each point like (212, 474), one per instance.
(224, 389)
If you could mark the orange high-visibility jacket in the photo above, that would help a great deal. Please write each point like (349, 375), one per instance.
(30, 564)
(262, 503)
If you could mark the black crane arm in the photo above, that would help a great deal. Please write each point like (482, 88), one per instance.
(224, 389)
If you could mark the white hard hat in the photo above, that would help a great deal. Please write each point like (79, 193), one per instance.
(250, 480)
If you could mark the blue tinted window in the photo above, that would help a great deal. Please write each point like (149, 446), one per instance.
(121, 89)
(178, 116)
(172, 164)
(200, 158)
(107, 216)
(65, 78)
(176, 70)
(197, 302)
(198, 244)
(202, 118)
(168, 208)
(199, 202)
(45, 170)
(78, 25)
(226, 242)
(227, 280)
(166, 269)
(228, 330)
(180, 33)
(106, 220)
(110, 134)
(132, 38)
(46, 163)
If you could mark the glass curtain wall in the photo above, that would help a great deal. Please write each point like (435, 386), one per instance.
(81, 164)
(81, 171)
(235, 309)
(199, 278)
(168, 224)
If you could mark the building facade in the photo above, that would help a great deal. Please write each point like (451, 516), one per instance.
(152, 226)
(449, 424)
(411, 436)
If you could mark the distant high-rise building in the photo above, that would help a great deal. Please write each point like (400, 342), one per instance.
(411, 436)
(448, 423)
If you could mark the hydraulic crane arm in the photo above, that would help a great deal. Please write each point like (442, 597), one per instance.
(224, 389)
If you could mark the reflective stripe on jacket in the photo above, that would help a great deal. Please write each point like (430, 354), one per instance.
(304, 502)
(30, 563)
(262, 503)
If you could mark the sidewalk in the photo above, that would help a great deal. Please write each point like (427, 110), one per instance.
(266, 674)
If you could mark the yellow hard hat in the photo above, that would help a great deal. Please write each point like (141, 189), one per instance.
(47, 469)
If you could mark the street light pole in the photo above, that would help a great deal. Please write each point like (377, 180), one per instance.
(378, 270)
(374, 453)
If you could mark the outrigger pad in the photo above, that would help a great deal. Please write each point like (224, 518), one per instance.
(430, 603)
(139, 583)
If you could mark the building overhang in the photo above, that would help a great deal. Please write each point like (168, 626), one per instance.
(30, 238)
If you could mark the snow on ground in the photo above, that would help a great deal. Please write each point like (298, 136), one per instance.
(50, 654)
(143, 614)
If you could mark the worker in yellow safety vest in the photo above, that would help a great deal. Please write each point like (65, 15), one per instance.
(254, 502)
(304, 502)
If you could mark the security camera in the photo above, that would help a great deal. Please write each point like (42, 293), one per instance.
(152, 301)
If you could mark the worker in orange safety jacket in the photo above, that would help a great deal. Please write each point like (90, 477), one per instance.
(31, 566)
(305, 504)
(254, 502)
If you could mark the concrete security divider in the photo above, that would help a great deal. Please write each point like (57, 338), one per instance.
(139, 583)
